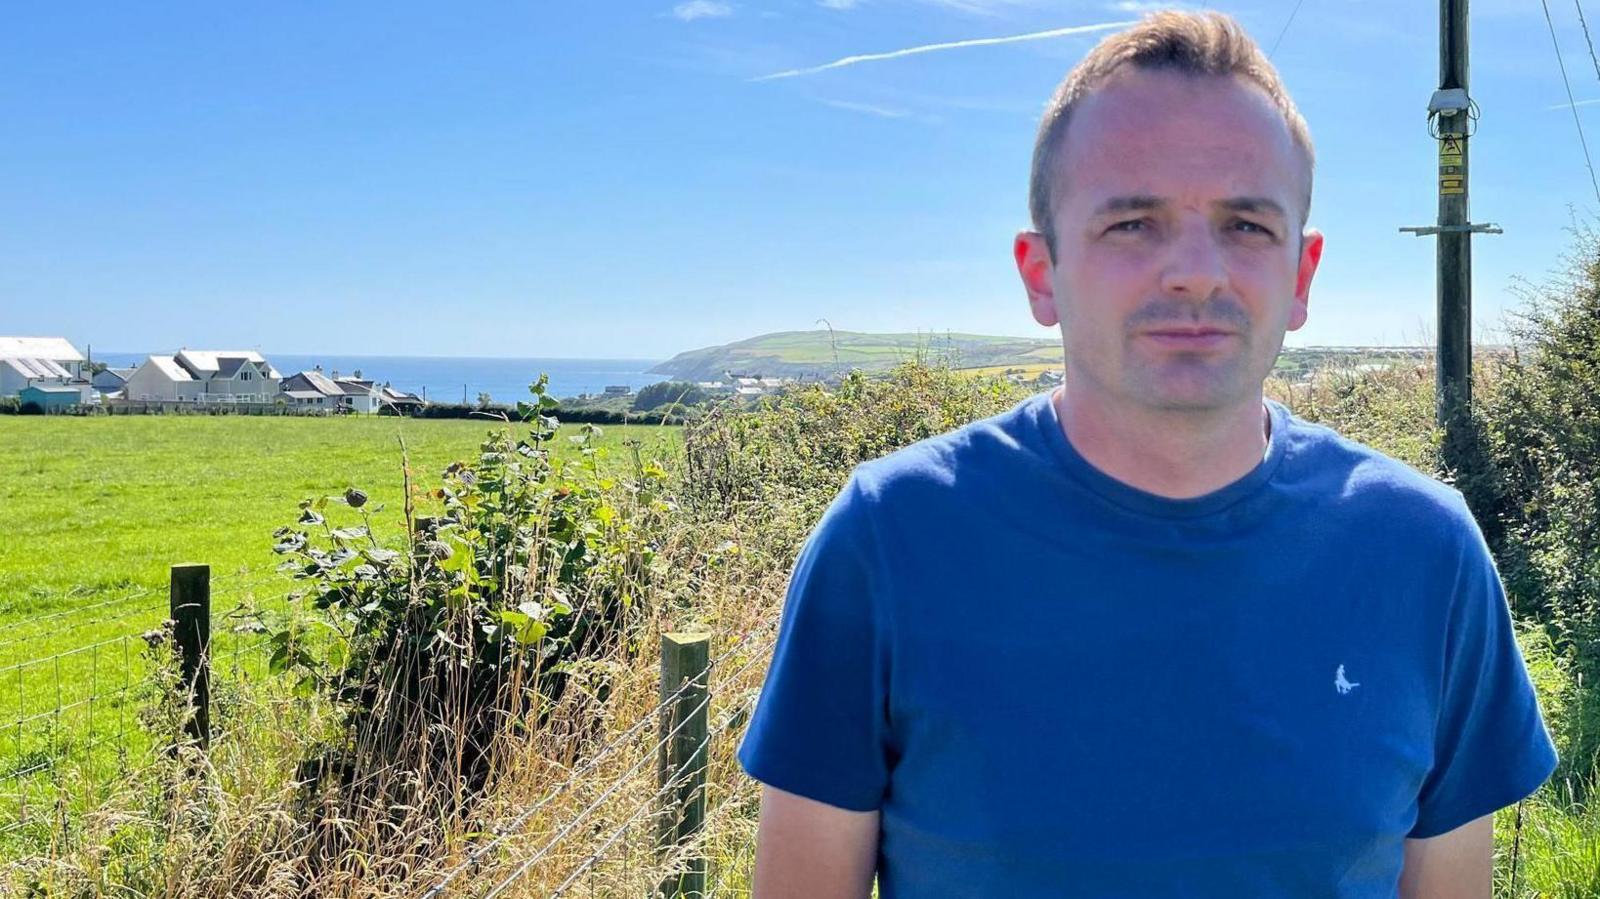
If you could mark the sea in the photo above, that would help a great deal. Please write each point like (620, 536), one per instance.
(447, 379)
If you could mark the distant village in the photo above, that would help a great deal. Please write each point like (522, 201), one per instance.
(52, 375)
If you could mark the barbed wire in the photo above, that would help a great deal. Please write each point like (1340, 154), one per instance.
(505, 830)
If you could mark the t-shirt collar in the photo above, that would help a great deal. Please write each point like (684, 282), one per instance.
(1141, 501)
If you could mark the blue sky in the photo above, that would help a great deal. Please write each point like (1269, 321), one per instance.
(577, 179)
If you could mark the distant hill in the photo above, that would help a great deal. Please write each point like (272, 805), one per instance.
(816, 354)
(811, 355)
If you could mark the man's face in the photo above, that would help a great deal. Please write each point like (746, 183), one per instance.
(1179, 257)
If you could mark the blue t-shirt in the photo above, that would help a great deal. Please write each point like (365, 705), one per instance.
(1051, 683)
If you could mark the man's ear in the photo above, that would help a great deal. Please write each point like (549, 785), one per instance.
(1310, 257)
(1035, 267)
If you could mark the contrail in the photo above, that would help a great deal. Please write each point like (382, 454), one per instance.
(952, 45)
(1571, 105)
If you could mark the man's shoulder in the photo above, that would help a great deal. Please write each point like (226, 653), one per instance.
(957, 459)
(1353, 474)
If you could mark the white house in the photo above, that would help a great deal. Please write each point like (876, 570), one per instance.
(42, 361)
(204, 376)
(312, 390)
(360, 395)
(54, 349)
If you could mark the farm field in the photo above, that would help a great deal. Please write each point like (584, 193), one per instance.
(1029, 371)
(96, 510)
(94, 506)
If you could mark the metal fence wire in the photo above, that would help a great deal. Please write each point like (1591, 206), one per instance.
(70, 681)
(72, 714)
(757, 641)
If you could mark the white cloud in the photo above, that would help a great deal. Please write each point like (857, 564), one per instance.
(882, 112)
(689, 10)
(838, 4)
(951, 45)
(1571, 105)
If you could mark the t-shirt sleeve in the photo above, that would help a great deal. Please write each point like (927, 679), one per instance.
(1491, 747)
(820, 727)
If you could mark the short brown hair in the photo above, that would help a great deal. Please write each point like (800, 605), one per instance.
(1190, 43)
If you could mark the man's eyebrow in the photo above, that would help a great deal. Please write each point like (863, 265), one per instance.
(1254, 204)
(1138, 203)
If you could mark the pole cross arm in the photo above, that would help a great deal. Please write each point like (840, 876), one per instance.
(1489, 228)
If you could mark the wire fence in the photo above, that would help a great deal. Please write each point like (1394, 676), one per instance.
(624, 813)
(73, 683)
(72, 695)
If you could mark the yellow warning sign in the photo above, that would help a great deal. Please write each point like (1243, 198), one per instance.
(1452, 173)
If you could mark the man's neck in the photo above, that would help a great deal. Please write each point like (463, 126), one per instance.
(1178, 455)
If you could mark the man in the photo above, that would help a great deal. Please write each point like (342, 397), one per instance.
(1148, 635)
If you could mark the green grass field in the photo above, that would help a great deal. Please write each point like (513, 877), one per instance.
(96, 510)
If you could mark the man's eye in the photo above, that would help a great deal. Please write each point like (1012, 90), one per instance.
(1130, 225)
(1252, 226)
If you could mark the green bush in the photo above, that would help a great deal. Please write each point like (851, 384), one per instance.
(1542, 427)
(680, 393)
(790, 454)
(446, 652)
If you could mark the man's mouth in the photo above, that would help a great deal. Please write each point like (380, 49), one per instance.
(1194, 338)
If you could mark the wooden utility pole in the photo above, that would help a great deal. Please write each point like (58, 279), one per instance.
(1452, 117)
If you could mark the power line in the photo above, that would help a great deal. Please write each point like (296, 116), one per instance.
(1570, 101)
(1285, 30)
(1587, 39)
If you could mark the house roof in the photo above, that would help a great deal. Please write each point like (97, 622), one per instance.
(56, 349)
(221, 363)
(399, 396)
(352, 387)
(35, 368)
(304, 394)
(315, 381)
(52, 388)
(168, 366)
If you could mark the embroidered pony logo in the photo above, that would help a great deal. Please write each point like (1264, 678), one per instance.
(1340, 684)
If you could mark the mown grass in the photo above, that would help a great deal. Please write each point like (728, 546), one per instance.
(96, 510)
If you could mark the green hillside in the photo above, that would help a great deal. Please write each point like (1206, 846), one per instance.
(811, 355)
(816, 354)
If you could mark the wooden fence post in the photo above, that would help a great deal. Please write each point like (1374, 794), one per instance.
(685, 660)
(191, 615)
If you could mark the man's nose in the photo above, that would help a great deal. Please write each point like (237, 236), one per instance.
(1193, 267)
